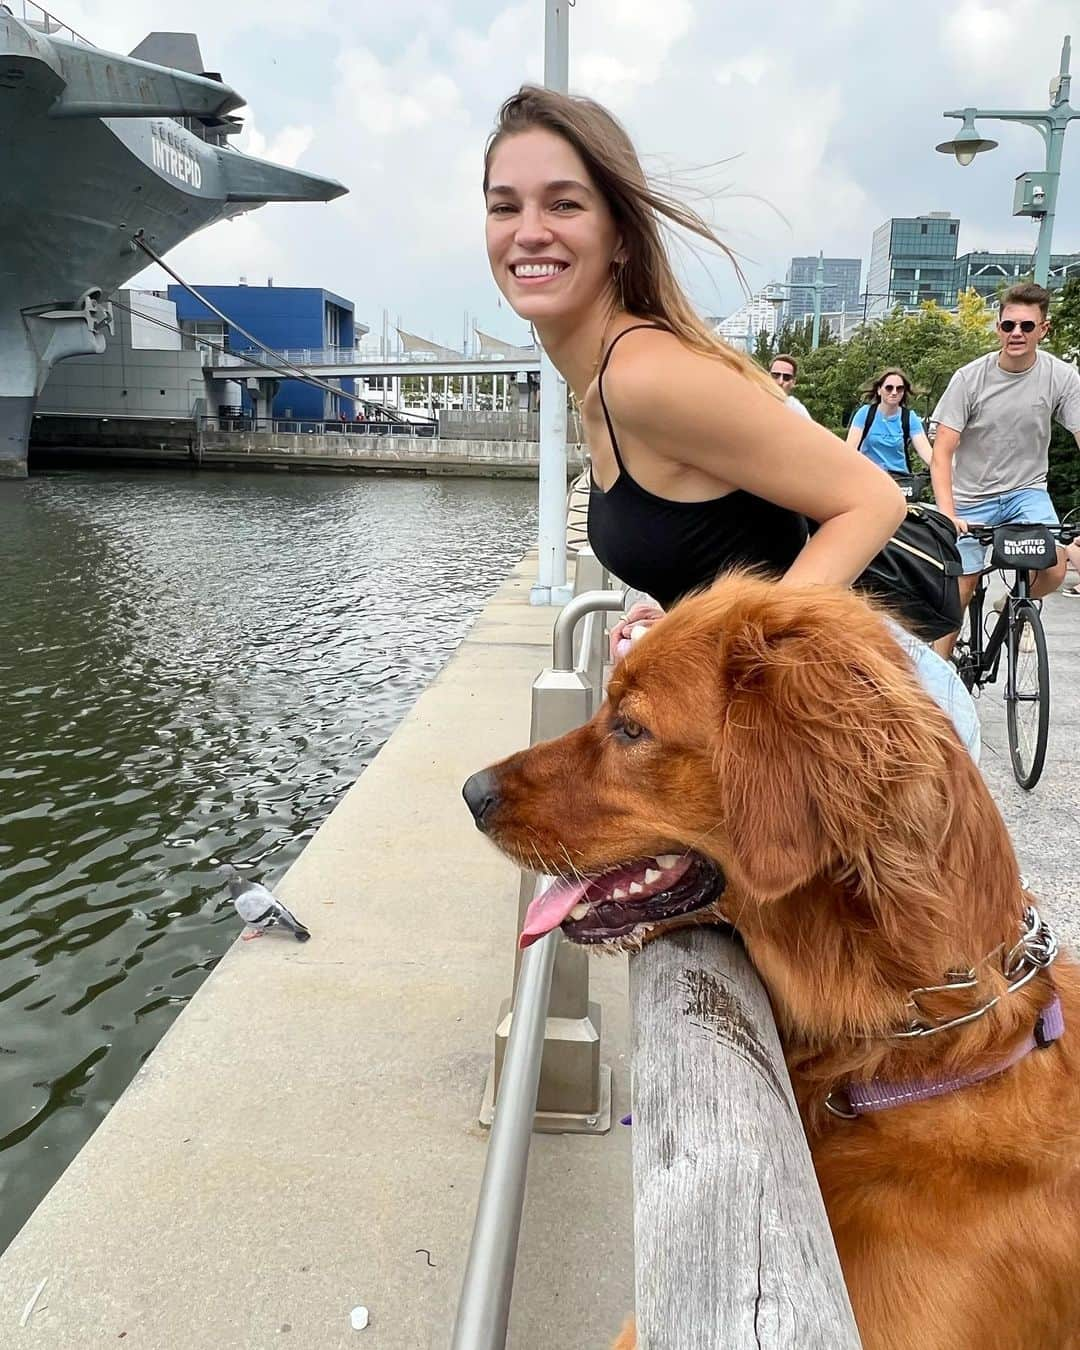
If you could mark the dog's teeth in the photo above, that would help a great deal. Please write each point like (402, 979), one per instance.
(579, 911)
(651, 875)
(668, 859)
(618, 893)
(636, 888)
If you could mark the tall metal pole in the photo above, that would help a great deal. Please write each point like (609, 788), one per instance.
(1055, 143)
(819, 286)
(1051, 124)
(551, 587)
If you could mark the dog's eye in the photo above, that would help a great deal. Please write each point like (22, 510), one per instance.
(630, 729)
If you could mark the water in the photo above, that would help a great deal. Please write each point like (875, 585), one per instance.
(192, 668)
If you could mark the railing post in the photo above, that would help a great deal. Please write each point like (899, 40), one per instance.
(575, 1087)
(732, 1245)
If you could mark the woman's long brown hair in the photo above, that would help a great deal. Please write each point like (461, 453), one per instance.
(646, 285)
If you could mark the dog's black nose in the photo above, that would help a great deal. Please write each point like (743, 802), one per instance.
(481, 794)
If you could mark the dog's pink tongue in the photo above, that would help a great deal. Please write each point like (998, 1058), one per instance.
(547, 911)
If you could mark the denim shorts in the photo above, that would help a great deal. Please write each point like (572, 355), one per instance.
(1025, 504)
(941, 682)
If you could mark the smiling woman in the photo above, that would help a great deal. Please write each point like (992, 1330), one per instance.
(697, 465)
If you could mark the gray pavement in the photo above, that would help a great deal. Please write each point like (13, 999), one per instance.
(1045, 822)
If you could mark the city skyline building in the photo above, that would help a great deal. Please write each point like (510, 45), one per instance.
(988, 272)
(912, 260)
(843, 286)
(761, 312)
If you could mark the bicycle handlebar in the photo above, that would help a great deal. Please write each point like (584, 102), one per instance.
(984, 534)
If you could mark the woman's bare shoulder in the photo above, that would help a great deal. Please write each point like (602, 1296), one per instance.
(653, 367)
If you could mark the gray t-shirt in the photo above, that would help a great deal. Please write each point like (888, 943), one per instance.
(1004, 422)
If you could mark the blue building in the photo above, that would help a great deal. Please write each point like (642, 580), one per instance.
(285, 318)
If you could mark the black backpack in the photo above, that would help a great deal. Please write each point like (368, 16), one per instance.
(911, 484)
(916, 573)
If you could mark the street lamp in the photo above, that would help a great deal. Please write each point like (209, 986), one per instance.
(968, 142)
(817, 286)
(1036, 193)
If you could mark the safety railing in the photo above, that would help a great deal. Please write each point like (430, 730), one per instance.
(329, 426)
(33, 15)
(547, 1074)
(732, 1247)
(358, 356)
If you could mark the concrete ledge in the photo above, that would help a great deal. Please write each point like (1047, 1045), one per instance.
(309, 1122)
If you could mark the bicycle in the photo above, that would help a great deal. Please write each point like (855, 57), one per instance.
(1025, 547)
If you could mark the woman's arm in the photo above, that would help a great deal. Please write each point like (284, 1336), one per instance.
(921, 443)
(693, 410)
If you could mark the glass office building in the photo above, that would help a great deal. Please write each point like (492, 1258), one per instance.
(843, 280)
(912, 260)
(989, 273)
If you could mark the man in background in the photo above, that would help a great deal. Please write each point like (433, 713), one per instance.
(785, 371)
(991, 450)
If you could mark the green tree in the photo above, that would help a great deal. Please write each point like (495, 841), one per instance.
(1064, 341)
(763, 349)
(929, 345)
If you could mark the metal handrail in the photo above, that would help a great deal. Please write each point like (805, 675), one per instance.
(487, 1286)
(562, 641)
(484, 1309)
(53, 27)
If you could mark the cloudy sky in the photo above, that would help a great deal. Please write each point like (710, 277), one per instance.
(818, 121)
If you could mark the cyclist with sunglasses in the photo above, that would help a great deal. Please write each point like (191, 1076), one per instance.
(993, 438)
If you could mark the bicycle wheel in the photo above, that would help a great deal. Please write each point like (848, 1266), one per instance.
(1027, 706)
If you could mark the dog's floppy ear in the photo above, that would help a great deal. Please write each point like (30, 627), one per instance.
(827, 747)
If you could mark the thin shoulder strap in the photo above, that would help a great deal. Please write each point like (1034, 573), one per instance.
(871, 413)
(905, 432)
(600, 382)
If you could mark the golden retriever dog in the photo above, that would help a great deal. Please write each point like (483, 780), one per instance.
(767, 758)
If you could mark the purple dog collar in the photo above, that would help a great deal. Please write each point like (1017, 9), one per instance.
(859, 1099)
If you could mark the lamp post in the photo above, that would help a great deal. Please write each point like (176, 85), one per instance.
(1036, 193)
(551, 586)
(817, 287)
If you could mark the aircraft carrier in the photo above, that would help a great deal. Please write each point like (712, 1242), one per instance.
(98, 150)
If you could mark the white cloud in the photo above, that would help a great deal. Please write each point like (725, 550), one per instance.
(621, 45)
(285, 147)
(750, 68)
(817, 137)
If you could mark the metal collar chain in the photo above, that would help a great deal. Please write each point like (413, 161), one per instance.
(1036, 949)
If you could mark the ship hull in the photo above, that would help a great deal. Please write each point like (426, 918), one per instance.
(87, 186)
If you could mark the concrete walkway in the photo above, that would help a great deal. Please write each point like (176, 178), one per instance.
(1045, 823)
(309, 1122)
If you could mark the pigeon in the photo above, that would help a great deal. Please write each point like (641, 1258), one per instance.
(261, 910)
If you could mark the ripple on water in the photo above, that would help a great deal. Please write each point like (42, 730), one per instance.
(192, 668)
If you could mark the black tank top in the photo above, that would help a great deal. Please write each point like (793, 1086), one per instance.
(669, 549)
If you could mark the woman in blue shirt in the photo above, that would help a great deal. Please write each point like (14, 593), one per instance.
(884, 442)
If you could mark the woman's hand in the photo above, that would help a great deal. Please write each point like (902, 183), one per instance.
(644, 614)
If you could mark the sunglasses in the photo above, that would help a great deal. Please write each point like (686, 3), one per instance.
(895, 388)
(1025, 325)
(781, 375)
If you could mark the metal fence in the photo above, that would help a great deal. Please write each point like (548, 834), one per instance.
(41, 19)
(354, 356)
(331, 426)
(547, 1072)
(480, 425)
